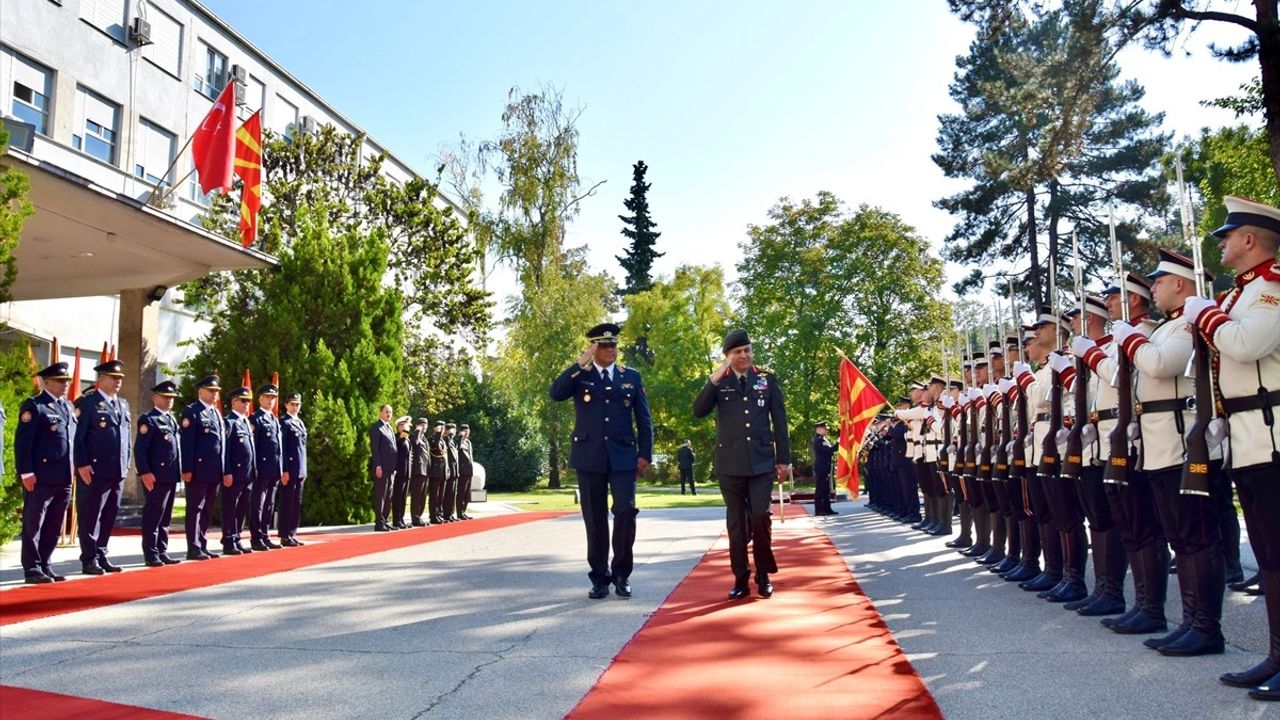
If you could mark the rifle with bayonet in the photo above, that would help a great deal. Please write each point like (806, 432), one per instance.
(988, 419)
(1195, 471)
(1050, 462)
(1073, 463)
(1122, 452)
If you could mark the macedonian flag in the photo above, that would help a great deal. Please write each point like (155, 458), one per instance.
(859, 403)
(249, 169)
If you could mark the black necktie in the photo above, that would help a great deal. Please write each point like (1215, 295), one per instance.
(742, 383)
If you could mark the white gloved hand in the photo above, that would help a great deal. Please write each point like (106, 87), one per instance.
(1061, 436)
(974, 394)
(1020, 367)
(1135, 431)
(1121, 330)
(1059, 362)
(1194, 306)
(1215, 433)
(1082, 345)
(989, 389)
(1005, 385)
(948, 402)
(1088, 434)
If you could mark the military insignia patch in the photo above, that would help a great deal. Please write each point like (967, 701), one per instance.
(142, 429)
(26, 416)
(762, 384)
(1266, 299)
(186, 422)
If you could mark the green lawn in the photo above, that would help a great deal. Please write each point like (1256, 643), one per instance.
(647, 497)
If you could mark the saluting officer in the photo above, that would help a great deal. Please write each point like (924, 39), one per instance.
(753, 447)
(419, 467)
(436, 472)
(823, 451)
(400, 488)
(450, 472)
(269, 462)
(42, 453)
(466, 470)
(612, 443)
(239, 471)
(202, 437)
(295, 471)
(157, 454)
(103, 452)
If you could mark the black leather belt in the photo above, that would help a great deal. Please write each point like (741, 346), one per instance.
(1157, 406)
(1251, 402)
(1100, 415)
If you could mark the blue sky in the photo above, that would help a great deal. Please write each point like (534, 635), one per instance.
(732, 105)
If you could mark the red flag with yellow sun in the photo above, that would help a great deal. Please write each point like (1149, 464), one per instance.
(249, 169)
(859, 403)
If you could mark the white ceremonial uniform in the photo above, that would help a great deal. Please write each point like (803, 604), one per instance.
(1158, 364)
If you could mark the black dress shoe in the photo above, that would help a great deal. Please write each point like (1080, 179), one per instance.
(197, 555)
(381, 528)
(90, 569)
(738, 592)
(52, 575)
(105, 564)
(598, 591)
(288, 542)
(417, 522)
(622, 588)
(1022, 574)
(231, 550)
(35, 577)
(1072, 591)
(763, 586)
(1124, 617)
(210, 554)
(153, 562)
(1243, 586)
(244, 549)
(272, 544)
(169, 561)
(1040, 583)
(259, 546)
(1253, 677)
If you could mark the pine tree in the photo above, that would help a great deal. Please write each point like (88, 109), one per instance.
(640, 229)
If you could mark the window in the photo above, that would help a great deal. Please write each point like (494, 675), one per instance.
(106, 15)
(193, 190)
(32, 86)
(165, 50)
(154, 152)
(214, 76)
(255, 93)
(97, 125)
(283, 117)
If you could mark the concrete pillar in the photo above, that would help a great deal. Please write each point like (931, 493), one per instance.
(139, 333)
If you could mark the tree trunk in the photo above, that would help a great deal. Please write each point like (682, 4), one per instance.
(553, 452)
(1269, 59)
(1033, 242)
(1051, 222)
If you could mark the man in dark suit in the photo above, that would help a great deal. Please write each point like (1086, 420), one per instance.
(419, 465)
(382, 466)
(466, 468)
(156, 453)
(268, 445)
(823, 451)
(42, 453)
(436, 471)
(295, 471)
(752, 449)
(450, 501)
(612, 443)
(103, 452)
(202, 436)
(685, 457)
(239, 471)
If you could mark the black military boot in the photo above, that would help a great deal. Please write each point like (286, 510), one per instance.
(1262, 673)
(946, 509)
(1099, 574)
(1108, 554)
(1073, 550)
(1205, 635)
(927, 520)
(1013, 547)
(982, 534)
(1139, 593)
(1152, 565)
(1051, 546)
(965, 539)
(1186, 593)
(996, 553)
(1030, 552)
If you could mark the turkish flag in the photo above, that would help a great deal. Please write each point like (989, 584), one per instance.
(214, 144)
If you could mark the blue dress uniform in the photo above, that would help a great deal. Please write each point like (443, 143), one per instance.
(437, 469)
(240, 462)
(295, 464)
(42, 448)
(201, 439)
(157, 452)
(103, 443)
(612, 431)
(823, 451)
(751, 440)
(268, 445)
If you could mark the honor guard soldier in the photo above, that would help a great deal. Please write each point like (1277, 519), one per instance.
(157, 454)
(383, 458)
(823, 451)
(103, 452)
(202, 436)
(753, 450)
(239, 471)
(436, 472)
(42, 454)
(466, 470)
(612, 444)
(1243, 327)
(268, 445)
(419, 467)
(295, 471)
(450, 472)
(685, 459)
(951, 404)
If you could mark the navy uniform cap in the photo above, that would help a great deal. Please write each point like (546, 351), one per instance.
(439, 423)
(241, 393)
(820, 423)
(293, 397)
(403, 419)
(464, 426)
(604, 334)
(209, 382)
(268, 389)
(56, 371)
(735, 339)
(450, 425)
(166, 389)
(1243, 211)
(110, 367)
(422, 421)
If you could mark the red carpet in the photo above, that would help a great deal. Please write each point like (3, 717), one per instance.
(816, 649)
(29, 602)
(18, 702)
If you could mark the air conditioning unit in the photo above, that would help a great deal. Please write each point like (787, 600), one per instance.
(140, 32)
(240, 94)
(239, 74)
(308, 124)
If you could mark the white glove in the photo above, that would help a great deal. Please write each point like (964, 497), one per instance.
(1009, 447)
(948, 402)
(1121, 330)
(974, 394)
(1135, 431)
(1020, 367)
(1082, 345)
(1005, 385)
(1196, 305)
(1088, 434)
(1061, 436)
(988, 389)
(951, 451)
(1058, 362)
(1215, 433)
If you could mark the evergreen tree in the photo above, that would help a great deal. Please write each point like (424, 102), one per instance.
(641, 230)
(15, 369)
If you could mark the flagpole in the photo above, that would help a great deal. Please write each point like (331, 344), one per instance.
(157, 202)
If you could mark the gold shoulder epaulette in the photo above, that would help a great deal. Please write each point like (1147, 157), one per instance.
(763, 370)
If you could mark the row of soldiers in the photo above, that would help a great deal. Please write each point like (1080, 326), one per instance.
(431, 470)
(991, 445)
(252, 456)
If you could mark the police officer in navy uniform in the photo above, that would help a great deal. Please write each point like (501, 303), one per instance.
(612, 443)
(156, 452)
(823, 451)
(295, 471)
(466, 470)
(753, 448)
(103, 452)
(450, 501)
(202, 436)
(239, 471)
(436, 471)
(42, 453)
(268, 444)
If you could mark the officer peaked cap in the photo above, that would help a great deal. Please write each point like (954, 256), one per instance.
(293, 397)
(604, 334)
(1243, 211)
(241, 393)
(114, 368)
(165, 389)
(56, 371)
(209, 382)
(268, 389)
